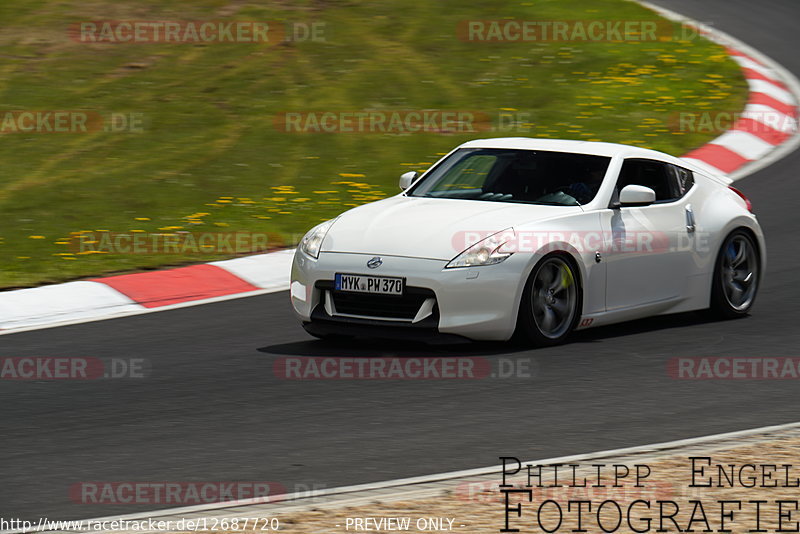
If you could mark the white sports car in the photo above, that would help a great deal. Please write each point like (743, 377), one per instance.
(533, 237)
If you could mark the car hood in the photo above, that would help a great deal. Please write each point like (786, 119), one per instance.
(435, 228)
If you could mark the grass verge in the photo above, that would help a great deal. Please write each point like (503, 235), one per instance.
(209, 157)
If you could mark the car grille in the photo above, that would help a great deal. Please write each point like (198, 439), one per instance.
(404, 307)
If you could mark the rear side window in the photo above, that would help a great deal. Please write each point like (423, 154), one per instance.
(684, 177)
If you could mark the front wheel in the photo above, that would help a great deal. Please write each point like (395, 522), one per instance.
(550, 302)
(736, 276)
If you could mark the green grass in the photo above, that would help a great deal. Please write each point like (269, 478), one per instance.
(208, 112)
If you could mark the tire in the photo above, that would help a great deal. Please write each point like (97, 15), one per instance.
(736, 278)
(551, 302)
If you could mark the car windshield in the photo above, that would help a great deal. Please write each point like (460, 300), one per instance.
(509, 175)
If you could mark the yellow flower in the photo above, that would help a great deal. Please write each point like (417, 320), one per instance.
(141, 218)
(36, 237)
(351, 175)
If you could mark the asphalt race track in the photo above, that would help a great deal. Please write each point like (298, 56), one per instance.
(212, 409)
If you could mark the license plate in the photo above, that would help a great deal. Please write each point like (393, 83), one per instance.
(361, 283)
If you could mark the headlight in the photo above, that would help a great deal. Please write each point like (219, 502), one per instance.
(312, 241)
(485, 252)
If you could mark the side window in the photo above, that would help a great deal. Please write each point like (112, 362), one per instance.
(684, 177)
(650, 173)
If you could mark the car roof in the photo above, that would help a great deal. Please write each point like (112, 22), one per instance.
(574, 146)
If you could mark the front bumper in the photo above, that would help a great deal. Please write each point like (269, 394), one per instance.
(323, 324)
(478, 303)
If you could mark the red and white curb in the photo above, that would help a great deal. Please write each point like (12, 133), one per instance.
(766, 131)
(769, 119)
(132, 294)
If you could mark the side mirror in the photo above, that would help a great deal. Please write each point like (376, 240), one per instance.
(636, 195)
(407, 178)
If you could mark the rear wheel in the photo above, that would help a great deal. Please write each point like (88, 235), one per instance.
(550, 302)
(736, 276)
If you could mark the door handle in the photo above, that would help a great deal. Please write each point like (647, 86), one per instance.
(690, 225)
